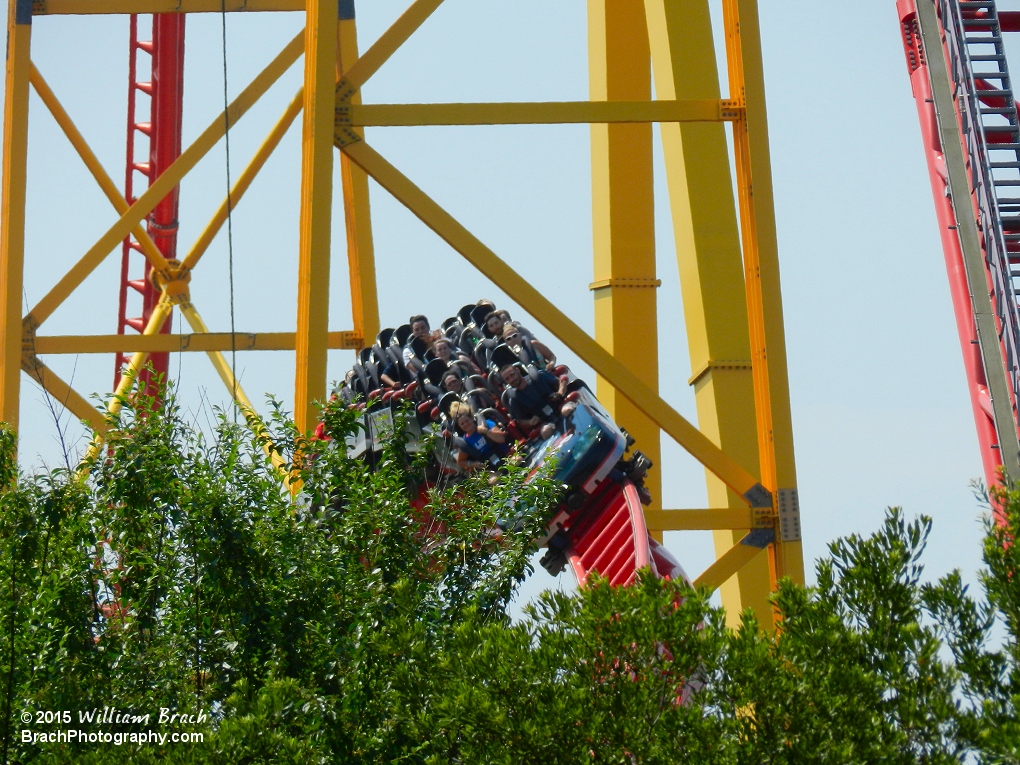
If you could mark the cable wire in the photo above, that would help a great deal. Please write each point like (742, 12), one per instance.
(230, 205)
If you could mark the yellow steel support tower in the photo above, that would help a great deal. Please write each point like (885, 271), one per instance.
(724, 236)
(357, 212)
(623, 213)
(321, 32)
(12, 203)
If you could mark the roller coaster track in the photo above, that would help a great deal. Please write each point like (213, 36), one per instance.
(613, 541)
(968, 115)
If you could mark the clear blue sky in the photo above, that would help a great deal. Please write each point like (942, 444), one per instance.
(881, 414)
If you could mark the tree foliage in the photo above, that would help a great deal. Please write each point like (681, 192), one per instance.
(333, 613)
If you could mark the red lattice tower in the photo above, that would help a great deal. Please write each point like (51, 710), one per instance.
(165, 90)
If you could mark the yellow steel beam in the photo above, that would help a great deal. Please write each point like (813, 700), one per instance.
(623, 220)
(89, 7)
(387, 44)
(711, 268)
(244, 180)
(226, 374)
(12, 204)
(357, 209)
(316, 210)
(758, 217)
(199, 342)
(729, 563)
(63, 119)
(553, 319)
(164, 184)
(63, 393)
(127, 379)
(223, 369)
(700, 520)
(540, 113)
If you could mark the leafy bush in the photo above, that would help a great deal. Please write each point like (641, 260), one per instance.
(326, 612)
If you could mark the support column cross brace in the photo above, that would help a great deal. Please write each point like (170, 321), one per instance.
(164, 184)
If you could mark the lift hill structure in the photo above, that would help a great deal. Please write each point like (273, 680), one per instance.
(725, 236)
(968, 115)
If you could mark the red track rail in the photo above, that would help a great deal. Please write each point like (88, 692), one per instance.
(609, 537)
(990, 137)
(163, 131)
(963, 309)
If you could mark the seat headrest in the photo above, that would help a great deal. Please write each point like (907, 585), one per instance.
(400, 335)
(435, 370)
(418, 346)
(383, 338)
(479, 312)
(464, 314)
(502, 355)
(447, 401)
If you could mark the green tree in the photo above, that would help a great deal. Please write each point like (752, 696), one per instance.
(328, 612)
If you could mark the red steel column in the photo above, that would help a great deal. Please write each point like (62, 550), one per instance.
(164, 148)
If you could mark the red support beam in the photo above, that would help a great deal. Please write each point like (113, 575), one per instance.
(1009, 21)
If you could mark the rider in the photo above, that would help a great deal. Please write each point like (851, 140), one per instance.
(537, 352)
(535, 402)
(484, 442)
(419, 328)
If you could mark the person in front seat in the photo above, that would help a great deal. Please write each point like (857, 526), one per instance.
(484, 442)
(536, 402)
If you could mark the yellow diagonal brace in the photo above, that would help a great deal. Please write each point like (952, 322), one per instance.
(165, 183)
(727, 565)
(218, 361)
(541, 113)
(234, 386)
(63, 393)
(149, 248)
(387, 44)
(127, 379)
(553, 319)
(245, 179)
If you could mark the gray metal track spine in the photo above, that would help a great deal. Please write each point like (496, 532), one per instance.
(961, 123)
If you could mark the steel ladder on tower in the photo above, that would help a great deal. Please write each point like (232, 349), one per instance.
(988, 118)
(162, 133)
(128, 268)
